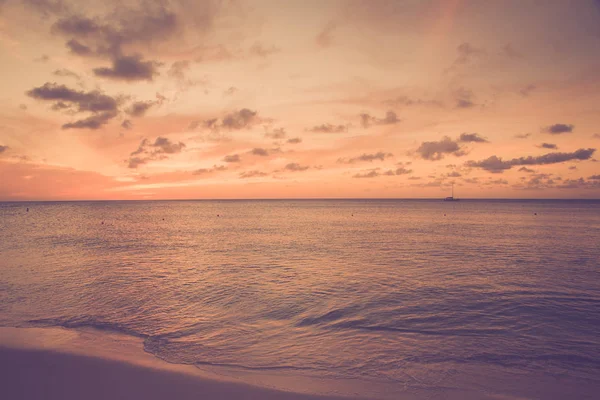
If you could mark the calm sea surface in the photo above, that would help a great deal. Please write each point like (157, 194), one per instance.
(418, 297)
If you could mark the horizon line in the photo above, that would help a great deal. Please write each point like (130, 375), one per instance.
(303, 199)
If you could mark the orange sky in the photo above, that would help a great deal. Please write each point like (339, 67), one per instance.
(272, 99)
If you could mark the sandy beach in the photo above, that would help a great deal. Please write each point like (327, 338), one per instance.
(52, 364)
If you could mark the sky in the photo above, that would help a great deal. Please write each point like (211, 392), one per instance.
(182, 99)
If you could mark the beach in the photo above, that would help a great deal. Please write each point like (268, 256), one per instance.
(51, 364)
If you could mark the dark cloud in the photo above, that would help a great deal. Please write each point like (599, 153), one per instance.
(464, 103)
(241, 119)
(148, 151)
(204, 171)
(594, 177)
(403, 171)
(368, 120)
(548, 146)
(95, 121)
(454, 174)
(135, 162)
(369, 174)
(77, 48)
(3, 148)
(126, 124)
(328, 128)
(472, 138)
(103, 107)
(437, 150)
(295, 167)
(525, 169)
(129, 68)
(294, 140)
(557, 129)
(495, 164)
(164, 145)
(230, 91)
(252, 174)
(464, 98)
(139, 108)
(522, 135)
(94, 101)
(365, 157)
(375, 172)
(257, 151)
(278, 133)
(232, 158)
(63, 72)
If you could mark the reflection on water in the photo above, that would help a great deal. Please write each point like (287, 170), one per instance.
(407, 293)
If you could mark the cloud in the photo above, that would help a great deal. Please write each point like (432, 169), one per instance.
(257, 151)
(63, 72)
(148, 151)
(252, 174)
(230, 91)
(278, 133)
(3, 148)
(94, 101)
(495, 164)
(454, 174)
(328, 128)
(204, 171)
(368, 120)
(325, 37)
(522, 135)
(437, 150)
(548, 146)
(464, 98)
(557, 129)
(126, 124)
(466, 52)
(129, 68)
(408, 101)
(232, 158)
(164, 145)
(380, 155)
(294, 140)
(102, 106)
(178, 69)
(139, 108)
(79, 49)
(375, 172)
(235, 120)
(594, 177)
(295, 167)
(596, 135)
(95, 121)
(525, 169)
(472, 138)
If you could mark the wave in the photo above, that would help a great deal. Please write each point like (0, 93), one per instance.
(87, 321)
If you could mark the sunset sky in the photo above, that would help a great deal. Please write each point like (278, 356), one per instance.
(299, 99)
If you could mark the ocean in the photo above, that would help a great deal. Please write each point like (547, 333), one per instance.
(491, 298)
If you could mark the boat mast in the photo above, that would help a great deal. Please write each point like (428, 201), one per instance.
(452, 189)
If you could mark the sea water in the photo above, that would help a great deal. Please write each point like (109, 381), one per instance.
(494, 299)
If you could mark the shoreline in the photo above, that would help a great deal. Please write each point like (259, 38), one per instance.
(60, 363)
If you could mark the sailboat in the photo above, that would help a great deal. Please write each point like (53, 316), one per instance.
(451, 198)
